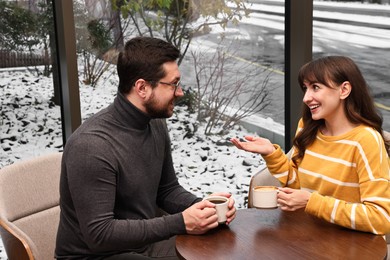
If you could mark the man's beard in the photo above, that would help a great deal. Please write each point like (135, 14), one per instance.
(156, 110)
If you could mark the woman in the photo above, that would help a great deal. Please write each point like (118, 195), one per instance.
(339, 171)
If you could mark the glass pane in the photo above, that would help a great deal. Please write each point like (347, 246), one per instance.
(96, 54)
(236, 70)
(232, 74)
(360, 31)
(30, 121)
(248, 56)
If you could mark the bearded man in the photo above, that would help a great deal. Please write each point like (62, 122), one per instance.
(117, 170)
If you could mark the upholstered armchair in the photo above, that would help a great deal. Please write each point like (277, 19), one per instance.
(29, 207)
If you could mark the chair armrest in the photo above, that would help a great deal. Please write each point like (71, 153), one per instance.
(386, 135)
(15, 245)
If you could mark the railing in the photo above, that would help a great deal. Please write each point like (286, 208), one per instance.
(22, 59)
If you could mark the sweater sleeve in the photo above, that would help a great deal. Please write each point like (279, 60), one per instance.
(172, 197)
(372, 213)
(282, 168)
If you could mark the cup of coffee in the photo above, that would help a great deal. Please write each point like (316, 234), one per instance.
(265, 197)
(221, 206)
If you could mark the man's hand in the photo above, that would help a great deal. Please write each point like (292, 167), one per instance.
(292, 199)
(200, 217)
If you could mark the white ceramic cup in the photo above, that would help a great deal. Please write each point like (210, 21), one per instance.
(221, 206)
(265, 196)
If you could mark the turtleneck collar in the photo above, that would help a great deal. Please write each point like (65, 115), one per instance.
(128, 114)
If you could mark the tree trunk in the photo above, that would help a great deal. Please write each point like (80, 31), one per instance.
(115, 24)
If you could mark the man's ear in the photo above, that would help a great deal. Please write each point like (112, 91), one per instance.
(345, 89)
(140, 88)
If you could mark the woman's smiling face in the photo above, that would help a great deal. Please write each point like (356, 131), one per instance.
(324, 102)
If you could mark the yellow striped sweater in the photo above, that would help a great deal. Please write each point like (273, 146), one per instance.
(348, 177)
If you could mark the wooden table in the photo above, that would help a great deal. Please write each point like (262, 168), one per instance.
(275, 234)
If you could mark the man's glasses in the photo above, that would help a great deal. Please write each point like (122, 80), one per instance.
(175, 85)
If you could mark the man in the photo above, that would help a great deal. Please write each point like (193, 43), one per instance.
(117, 169)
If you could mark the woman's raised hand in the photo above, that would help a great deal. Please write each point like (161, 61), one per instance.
(254, 144)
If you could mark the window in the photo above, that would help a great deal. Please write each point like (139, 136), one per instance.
(359, 31)
(29, 103)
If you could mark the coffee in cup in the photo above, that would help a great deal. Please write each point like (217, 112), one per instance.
(265, 196)
(221, 206)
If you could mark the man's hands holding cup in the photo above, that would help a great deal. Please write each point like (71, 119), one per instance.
(202, 216)
(231, 210)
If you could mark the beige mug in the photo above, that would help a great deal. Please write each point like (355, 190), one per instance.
(221, 206)
(265, 197)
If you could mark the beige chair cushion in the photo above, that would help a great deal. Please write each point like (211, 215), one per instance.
(387, 135)
(29, 202)
(35, 186)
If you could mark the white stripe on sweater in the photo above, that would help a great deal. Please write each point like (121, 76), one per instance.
(332, 159)
(368, 219)
(362, 154)
(373, 199)
(335, 206)
(331, 180)
(384, 213)
(378, 140)
(353, 216)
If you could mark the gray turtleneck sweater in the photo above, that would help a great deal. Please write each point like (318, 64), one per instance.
(116, 171)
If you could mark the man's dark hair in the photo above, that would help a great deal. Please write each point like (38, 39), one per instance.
(142, 58)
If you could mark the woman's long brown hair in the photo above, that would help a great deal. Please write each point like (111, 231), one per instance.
(359, 105)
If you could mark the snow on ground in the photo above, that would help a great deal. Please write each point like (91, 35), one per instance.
(30, 126)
